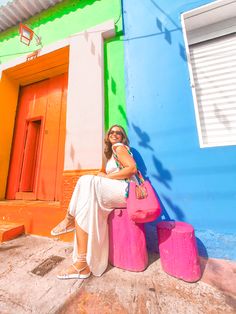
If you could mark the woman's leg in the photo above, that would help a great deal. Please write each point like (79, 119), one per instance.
(82, 243)
(80, 266)
(66, 225)
(77, 201)
(82, 239)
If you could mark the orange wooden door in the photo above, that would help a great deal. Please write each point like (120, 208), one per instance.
(38, 145)
(52, 157)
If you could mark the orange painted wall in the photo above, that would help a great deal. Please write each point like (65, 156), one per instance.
(69, 180)
(8, 102)
(39, 217)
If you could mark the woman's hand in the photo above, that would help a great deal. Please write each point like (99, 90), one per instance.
(141, 192)
(102, 174)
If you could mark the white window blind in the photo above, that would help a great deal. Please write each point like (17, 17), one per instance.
(214, 74)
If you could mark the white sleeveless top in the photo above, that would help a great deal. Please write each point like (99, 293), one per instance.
(111, 166)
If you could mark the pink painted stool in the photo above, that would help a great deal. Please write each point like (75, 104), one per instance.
(178, 250)
(127, 242)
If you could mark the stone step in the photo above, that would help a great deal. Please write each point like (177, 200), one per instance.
(10, 230)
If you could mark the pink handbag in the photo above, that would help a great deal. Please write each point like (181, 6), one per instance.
(142, 210)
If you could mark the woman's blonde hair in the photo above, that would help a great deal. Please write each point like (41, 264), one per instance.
(108, 145)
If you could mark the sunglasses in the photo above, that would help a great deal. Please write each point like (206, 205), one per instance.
(116, 132)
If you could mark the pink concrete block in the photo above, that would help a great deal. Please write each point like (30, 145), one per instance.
(127, 242)
(178, 250)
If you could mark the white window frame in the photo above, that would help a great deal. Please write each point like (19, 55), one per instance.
(214, 17)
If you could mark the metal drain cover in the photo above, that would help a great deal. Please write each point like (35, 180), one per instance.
(47, 265)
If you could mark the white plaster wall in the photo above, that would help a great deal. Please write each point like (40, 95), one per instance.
(85, 101)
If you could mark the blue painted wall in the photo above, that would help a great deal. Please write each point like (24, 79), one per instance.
(195, 185)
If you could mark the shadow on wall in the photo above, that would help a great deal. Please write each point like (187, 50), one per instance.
(164, 177)
(162, 174)
(202, 251)
(111, 84)
(165, 27)
(163, 30)
(201, 248)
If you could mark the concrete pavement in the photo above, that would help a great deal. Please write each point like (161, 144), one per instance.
(28, 284)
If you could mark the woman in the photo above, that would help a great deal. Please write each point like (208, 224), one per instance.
(94, 197)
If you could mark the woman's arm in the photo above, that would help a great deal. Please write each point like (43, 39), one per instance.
(127, 162)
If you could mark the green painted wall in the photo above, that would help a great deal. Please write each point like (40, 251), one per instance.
(115, 110)
(70, 17)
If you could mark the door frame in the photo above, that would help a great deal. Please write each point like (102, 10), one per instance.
(31, 195)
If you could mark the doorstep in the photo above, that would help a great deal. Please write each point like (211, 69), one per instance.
(38, 217)
(10, 230)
